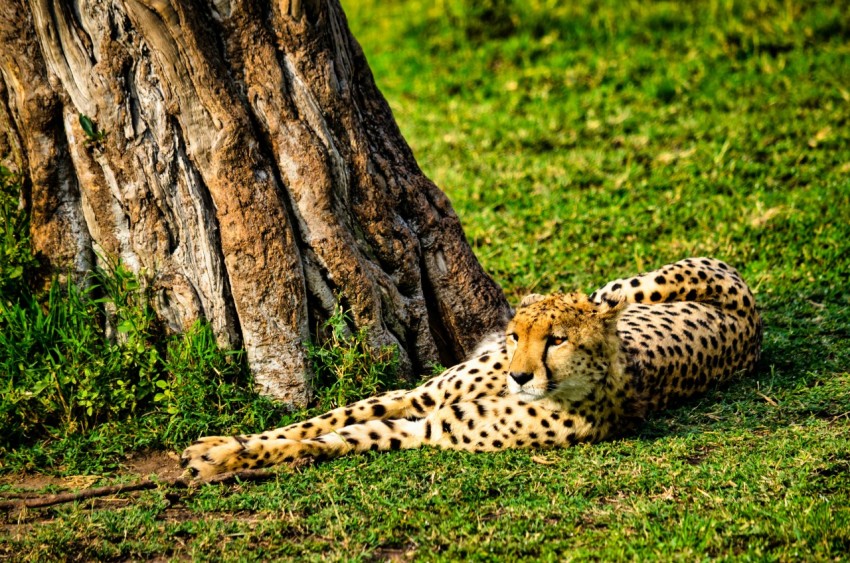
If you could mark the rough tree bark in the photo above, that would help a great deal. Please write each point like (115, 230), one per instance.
(250, 167)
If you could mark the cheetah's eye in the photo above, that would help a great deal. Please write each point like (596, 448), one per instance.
(513, 337)
(557, 340)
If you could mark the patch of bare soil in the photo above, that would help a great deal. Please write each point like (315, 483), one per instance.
(164, 465)
(155, 465)
(142, 471)
(145, 465)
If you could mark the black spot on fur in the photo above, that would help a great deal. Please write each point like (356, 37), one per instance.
(458, 410)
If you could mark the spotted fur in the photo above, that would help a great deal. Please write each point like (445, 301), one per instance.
(569, 368)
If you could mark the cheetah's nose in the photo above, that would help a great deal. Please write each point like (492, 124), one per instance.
(521, 378)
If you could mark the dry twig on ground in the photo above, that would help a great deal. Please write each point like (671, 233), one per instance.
(42, 501)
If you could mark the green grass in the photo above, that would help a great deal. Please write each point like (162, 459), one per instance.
(580, 142)
(346, 367)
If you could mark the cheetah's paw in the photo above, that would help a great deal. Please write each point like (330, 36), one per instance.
(213, 455)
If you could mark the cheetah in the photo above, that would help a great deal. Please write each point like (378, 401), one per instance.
(568, 368)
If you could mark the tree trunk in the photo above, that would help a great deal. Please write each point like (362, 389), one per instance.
(246, 163)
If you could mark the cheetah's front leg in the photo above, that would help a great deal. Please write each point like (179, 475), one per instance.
(480, 376)
(484, 424)
(210, 456)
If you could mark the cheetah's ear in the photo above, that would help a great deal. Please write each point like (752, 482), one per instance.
(610, 313)
(530, 299)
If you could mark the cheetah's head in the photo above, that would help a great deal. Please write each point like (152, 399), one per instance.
(560, 346)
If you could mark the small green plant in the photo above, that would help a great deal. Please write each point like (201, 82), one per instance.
(208, 391)
(16, 257)
(347, 367)
(61, 370)
(95, 136)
